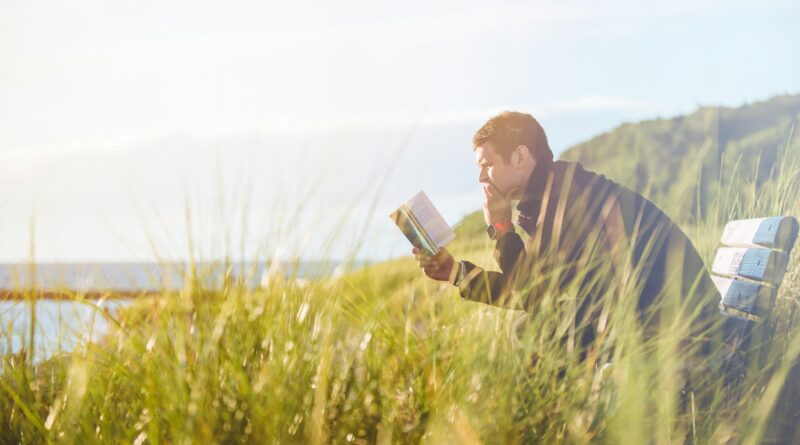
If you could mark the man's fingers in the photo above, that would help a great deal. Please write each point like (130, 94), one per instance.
(492, 190)
(431, 265)
(428, 263)
(421, 256)
(488, 193)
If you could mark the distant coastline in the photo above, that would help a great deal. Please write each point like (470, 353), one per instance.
(131, 279)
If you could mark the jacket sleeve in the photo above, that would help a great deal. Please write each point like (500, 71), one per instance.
(495, 288)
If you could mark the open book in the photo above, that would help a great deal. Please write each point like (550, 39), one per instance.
(422, 224)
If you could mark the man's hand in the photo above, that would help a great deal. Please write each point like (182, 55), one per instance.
(496, 207)
(441, 267)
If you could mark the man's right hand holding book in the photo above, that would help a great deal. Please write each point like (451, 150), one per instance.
(440, 267)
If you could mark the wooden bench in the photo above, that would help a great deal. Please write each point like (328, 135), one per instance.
(747, 271)
(750, 269)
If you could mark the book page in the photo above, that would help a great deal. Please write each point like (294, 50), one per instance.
(431, 220)
(413, 231)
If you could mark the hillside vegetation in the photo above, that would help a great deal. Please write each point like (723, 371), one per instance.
(713, 147)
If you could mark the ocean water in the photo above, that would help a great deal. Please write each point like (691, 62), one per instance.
(154, 276)
(63, 325)
(60, 325)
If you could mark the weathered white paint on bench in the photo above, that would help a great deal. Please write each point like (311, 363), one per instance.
(750, 270)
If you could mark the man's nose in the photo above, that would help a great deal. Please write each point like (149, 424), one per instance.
(483, 177)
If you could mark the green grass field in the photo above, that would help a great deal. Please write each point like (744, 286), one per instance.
(383, 355)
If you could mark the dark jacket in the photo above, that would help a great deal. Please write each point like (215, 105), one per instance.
(591, 239)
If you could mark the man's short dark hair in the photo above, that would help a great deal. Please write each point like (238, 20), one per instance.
(510, 129)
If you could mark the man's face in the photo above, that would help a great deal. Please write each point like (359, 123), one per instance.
(493, 169)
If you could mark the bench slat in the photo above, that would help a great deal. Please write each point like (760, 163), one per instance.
(749, 297)
(776, 232)
(753, 263)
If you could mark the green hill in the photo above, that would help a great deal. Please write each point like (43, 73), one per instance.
(713, 147)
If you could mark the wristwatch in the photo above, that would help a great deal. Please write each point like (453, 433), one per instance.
(497, 230)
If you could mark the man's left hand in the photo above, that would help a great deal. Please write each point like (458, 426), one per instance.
(496, 207)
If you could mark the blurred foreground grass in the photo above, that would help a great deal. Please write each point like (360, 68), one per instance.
(382, 355)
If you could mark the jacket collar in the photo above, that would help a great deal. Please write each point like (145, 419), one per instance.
(534, 190)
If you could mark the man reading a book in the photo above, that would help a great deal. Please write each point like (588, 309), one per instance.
(578, 235)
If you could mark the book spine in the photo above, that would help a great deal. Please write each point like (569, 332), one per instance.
(430, 245)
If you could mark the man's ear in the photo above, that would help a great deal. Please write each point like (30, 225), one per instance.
(521, 153)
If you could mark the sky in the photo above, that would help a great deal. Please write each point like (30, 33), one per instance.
(163, 130)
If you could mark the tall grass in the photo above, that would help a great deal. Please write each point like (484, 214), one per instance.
(383, 355)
